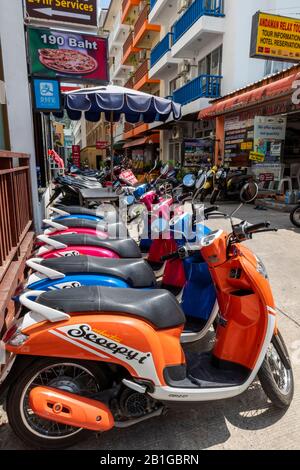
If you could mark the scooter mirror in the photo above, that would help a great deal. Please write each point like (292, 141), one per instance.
(164, 170)
(128, 200)
(189, 180)
(249, 192)
(201, 181)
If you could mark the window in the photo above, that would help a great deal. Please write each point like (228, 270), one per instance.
(172, 86)
(273, 66)
(212, 63)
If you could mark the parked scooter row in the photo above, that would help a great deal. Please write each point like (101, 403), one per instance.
(99, 344)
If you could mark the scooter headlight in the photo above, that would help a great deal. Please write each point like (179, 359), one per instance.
(260, 267)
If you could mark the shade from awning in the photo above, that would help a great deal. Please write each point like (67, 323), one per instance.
(252, 97)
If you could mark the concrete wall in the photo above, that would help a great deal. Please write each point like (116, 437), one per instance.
(12, 39)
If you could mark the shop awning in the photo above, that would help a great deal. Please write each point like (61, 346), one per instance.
(276, 89)
(150, 139)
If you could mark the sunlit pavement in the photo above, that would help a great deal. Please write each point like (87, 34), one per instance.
(245, 422)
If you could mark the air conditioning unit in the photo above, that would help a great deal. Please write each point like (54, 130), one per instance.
(142, 55)
(182, 5)
(177, 132)
(184, 68)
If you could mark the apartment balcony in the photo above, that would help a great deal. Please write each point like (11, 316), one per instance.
(202, 21)
(133, 130)
(160, 9)
(129, 50)
(130, 11)
(204, 86)
(161, 60)
(141, 78)
(118, 34)
(145, 33)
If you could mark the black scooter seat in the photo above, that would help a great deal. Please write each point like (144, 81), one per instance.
(136, 273)
(113, 229)
(124, 247)
(158, 307)
(98, 212)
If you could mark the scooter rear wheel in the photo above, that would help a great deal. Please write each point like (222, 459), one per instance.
(276, 376)
(79, 377)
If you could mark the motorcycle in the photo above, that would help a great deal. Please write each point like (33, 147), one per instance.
(83, 359)
(228, 184)
(295, 216)
(209, 183)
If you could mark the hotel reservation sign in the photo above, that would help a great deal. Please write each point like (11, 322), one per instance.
(275, 37)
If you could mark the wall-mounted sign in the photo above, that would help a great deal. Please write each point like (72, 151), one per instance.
(77, 11)
(275, 37)
(76, 155)
(257, 157)
(269, 128)
(101, 144)
(46, 95)
(67, 55)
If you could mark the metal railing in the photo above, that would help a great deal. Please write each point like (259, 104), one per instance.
(15, 206)
(129, 83)
(203, 86)
(141, 71)
(128, 43)
(143, 16)
(161, 49)
(195, 11)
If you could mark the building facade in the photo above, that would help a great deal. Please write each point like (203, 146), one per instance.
(190, 51)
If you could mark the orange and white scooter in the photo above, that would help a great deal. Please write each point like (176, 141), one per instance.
(94, 358)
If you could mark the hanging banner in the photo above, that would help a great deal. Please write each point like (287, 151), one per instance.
(76, 11)
(76, 155)
(275, 37)
(66, 55)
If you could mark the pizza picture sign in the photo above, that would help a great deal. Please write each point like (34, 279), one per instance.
(67, 55)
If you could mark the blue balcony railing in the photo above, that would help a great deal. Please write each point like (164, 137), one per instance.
(195, 11)
(204, 86)
(152, 3)
(160, 49)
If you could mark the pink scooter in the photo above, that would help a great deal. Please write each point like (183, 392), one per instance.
(76, 244)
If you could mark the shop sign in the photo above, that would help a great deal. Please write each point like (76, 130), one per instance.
(257, 157)
(68, 56)
(247, 146)
(76, 155)
(275, 37)
(266, 177)
(101, 144)
(269, 128)
(74, 11)
(128, 175)
(46, 95)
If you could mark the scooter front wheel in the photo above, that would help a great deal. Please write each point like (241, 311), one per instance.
(79, 377)
(276, 374)
(295, 217)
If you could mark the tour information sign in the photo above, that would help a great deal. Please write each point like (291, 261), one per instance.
(71, 56)
(74, 11)
(275, 37)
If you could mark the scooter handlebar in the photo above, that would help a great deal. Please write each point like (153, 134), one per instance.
(257, 227)
(169, 257)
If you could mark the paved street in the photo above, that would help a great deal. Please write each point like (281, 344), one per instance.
(248, 421)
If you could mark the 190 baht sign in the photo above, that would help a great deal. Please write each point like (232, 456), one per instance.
(275, 37)
(68, 11)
